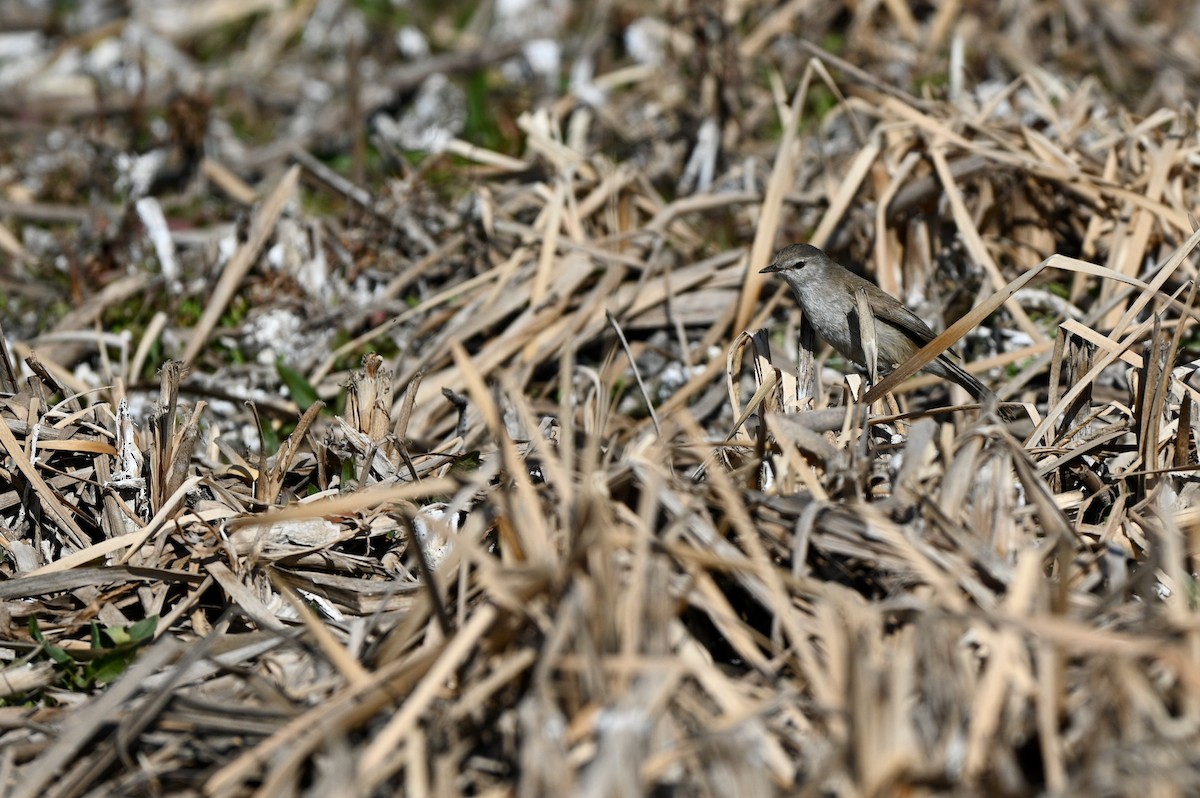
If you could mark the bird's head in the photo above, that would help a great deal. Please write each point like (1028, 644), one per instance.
(794, 258)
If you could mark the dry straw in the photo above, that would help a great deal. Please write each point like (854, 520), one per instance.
(596, 525)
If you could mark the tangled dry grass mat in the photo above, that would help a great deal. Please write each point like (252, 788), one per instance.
(587, 523)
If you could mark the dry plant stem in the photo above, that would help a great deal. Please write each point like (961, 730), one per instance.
(974, 241)
(457, 649)
(534, 538)
(261, 227)
(840, 203)
(350, 668)
(310, 730)
(761, 565)
(615, 627)
(32, 586)
(637, 374)
(1078, 388)
(333, 180)
(764, 237)
(61, 516)
(431, 582)
(8, 373)
(135, 723)
(861, 76)
(53, 762)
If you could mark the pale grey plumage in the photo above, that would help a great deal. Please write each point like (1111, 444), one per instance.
(827, 292)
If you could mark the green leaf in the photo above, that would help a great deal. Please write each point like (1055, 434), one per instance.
(108, 667)
(54, 652)
(300, 389)
(467, 462)
(117, 635)
(144, 629)
(35, 631)
(97, 641)
(270, 437)
(349, 473)
(59, 655)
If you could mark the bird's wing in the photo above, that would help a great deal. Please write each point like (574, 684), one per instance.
(892, 311)
(895, 314)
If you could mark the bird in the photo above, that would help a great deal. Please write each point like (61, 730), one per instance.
(828, 295)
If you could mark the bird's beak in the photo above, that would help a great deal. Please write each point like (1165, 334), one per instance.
(774, 267)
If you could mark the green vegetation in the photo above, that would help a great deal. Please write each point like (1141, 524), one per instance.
(112, 650)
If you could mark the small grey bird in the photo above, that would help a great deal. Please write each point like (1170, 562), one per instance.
(827, 293)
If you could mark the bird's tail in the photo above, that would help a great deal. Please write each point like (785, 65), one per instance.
(946, 368)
